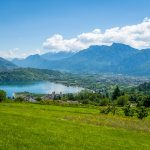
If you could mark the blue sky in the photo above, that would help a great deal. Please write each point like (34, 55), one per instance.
(26, 24)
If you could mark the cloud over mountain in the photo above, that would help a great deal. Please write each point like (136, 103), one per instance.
(18, 53)
(135, 35)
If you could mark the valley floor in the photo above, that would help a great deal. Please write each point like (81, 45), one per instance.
(45, 127)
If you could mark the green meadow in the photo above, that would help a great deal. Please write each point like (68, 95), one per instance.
(25, 126)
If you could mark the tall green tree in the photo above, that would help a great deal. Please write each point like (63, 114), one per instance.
(146, 101)
(2, 95)
(116, 93)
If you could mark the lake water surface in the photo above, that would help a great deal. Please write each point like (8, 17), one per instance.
(37, 87)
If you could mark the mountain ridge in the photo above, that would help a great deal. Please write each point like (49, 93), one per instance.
(117, 58)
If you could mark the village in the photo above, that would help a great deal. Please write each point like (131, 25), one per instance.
(32, 97)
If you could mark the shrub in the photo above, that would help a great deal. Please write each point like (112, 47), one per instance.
(2, 95)
(142, 112)
(128, 111)
(104, 102)
(139, 103)
(122, 100)
(85, 102)
(38, 99)
(113, 109)
(109, 109)
(146, 101)
(47, 102)
(106, 110)
(19, 99)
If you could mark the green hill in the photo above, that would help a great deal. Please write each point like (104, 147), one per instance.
(6, 65)
(30, 74)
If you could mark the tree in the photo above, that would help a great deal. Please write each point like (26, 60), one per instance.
(85, 102)
(133, 98)
(146, 101)
(122, 100)
(142, 112)
(144, 86)
(128, 111)
(116, 93)
(2, 95)
(38, 99)
(19, 99)
(104, 102)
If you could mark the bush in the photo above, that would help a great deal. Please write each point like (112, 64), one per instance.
(122, 100)
(38, 99)
(47, 102)
(113, 109)
(85, 102)
(128, 111)
(106, 110)
(146, 101)
(88, 95)
(19, 99)
(104, 102)
(109, 109)
(142, 112)
(139, 103)
(2, 95)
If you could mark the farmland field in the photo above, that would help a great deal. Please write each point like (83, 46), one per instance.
(25, 126)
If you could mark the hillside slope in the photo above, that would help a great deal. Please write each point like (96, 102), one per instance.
(6, 65)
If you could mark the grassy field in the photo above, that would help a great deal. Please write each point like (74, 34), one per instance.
(41, 127)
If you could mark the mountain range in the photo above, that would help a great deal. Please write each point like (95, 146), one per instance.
(42, 61)
(117, 58)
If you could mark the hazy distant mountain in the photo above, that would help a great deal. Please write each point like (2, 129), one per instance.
(33, 61)
(57, 56)
(99, 58)
(117, 58)
(41, 61)
(5, 65)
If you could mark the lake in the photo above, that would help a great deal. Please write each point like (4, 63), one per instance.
(37, 87)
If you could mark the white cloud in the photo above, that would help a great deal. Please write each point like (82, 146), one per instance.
(137, 36)
(17, 53)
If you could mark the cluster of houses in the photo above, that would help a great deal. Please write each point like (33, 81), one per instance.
(52, 96)
(32, 97)
(29, 97)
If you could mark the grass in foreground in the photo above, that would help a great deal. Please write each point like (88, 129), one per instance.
(34, 126)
